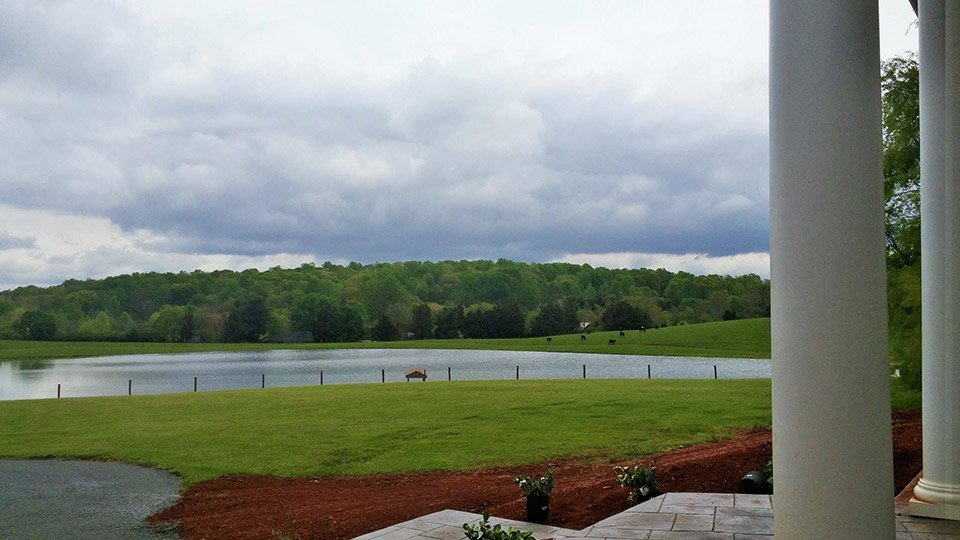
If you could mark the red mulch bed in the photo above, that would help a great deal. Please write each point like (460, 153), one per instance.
(344, 507)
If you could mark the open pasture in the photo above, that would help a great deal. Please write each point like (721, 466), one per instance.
(375, 428)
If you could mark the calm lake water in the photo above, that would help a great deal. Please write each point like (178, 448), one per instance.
(168, 373)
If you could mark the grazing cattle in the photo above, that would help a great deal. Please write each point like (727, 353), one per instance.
(549, 339)
(643, 328)
(612, 342)
(622, 334)
(583, 337)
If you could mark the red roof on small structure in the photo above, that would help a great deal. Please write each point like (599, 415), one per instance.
(416, 372)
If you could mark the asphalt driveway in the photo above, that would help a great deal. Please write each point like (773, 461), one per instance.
(54, 498)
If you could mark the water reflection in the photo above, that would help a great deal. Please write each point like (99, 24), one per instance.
(166, 373)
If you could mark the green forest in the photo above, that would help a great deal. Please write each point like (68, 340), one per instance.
(384, 301)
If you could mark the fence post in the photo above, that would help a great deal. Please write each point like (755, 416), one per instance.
(449, 378)
(130, 387)
(584, 371)
(321, 377)
(263, 380)
(194, 384)
(648, 372)
(518, 373)
(58, 390)
(715, 372)
(383, 375)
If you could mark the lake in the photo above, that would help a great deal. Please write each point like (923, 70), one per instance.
(169, 373)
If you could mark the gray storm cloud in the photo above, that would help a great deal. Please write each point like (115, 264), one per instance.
(444, 158)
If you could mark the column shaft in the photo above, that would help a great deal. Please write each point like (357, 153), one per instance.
(932, 230)
(951, 371)
(831, 395)
(940, 245)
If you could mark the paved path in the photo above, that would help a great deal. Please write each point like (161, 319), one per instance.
(55, 499)
(680, 516)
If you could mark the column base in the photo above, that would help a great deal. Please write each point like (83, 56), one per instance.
(933, 510)
(935, 500)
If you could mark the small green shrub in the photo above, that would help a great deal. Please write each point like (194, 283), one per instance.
(641, 482)
(768, 472)
(536, 487)
(485, 531)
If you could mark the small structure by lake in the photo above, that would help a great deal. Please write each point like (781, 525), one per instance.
(416, 373)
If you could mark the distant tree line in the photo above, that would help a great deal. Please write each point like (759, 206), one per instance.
(384, 301)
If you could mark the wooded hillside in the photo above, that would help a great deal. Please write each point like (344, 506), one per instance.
(381, 301)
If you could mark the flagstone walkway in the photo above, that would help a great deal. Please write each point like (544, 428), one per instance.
(681, 516)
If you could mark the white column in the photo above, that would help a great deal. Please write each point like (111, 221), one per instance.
(831, 397)
(940, 249)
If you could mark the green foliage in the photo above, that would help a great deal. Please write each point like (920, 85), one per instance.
(350, 323)
(641, 482)
(97, 328)
(557, 317)
(36, 326)
(903, 397)
(384, 330)
(422, 322)
(748, 338)
(248, 321)
(623, 315)
(901, 171)
(485, 531)
(535, 487)
(506, 321)
(904, 295)
(171, 324)
(295, 297)
(328, 321)
(450, 322)
(900, 79)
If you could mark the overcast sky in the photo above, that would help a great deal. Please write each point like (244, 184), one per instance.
(175, 135)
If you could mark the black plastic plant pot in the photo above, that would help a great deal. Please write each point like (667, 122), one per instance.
(754, 482)
(640, 498)
(538, 508)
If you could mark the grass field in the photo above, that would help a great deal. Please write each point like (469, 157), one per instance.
(358, 429)
(749, 338)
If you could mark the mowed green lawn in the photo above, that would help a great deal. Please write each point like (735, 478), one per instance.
(749, 338)
(377, 428)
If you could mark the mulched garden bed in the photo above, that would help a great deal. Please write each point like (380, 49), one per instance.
(344, 507)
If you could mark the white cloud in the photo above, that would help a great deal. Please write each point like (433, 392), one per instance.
(68, 246)
(695, 263)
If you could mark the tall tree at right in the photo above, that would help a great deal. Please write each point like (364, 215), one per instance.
(900, 77)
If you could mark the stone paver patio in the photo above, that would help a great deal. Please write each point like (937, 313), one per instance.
(681, 516)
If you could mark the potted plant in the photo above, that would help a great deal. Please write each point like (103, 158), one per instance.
(537, 492)
(641, 482)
